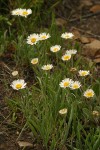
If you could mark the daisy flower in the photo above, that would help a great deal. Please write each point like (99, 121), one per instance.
(47, 67)
(89, 93)
(25, 12)
(18, 84)
(75, 85)
(14, 73)
(67, 35)
(83, 73)
(33, 39)
(34, 61)
(73, 69)
(16, 12)
(66, 57)
(55, 48)
(44, 36)
(95, 113)
(65, 83)
(73, 51)
(63, 111)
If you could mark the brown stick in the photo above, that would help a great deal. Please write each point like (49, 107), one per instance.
(81, 18)
(85, 16)
(81, 30)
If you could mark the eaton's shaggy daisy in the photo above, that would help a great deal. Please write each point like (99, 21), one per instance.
(66, 57)
(14, 73)
(33, 39)
(25, 12)
(83, 72)
(44, 36)
(65, 83)
(73, 51)
(18, 84)
(34, 61)
(47, 67)
(16, 12)
(73, 69)
(55, 48)
(67, 35)
(63, 111)
(75, 85)
(96, 113)
(89, 93)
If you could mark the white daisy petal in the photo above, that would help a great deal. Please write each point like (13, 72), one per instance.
(75, 85)
(63, 111)
(25, 12)
(65, 83)
(44, 36)
(89, 93)
(83, 72)
(33, 39)
(34, 61)
(14, 73)
(18, 84)
(16, 12)
(66, 57)
(55, 48)
(67, 35)
(71, 51)
(47, 67)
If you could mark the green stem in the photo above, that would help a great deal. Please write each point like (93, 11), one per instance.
(70, 120)
(21, 25)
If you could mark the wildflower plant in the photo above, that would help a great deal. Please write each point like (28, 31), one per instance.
(56, 105)
(67, 35)
(33, 39)
(55, 48)
(66, 57)
(18, 84)
(83, 73)
(34, 61)
(21, 12)
(89, 93)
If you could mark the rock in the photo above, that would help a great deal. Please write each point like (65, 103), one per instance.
(95, 8)
(60, 22)
(91, 49)
(97, 60)
(24, 144)
(84, 40)
(87, 2)
(76, 34)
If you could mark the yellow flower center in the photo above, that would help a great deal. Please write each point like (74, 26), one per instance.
(18, 86)
(89, 94)
(63, 111)
(34, 61)
(66, 57)
(33, 40)
(55, 49)
(96, 113)
(83, 73)
(25, 13)
(75, 86)
(47, 67)
(44, 37)
(66, 84)
(67, 36)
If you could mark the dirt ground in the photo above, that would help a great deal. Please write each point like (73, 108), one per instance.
(9, 132)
